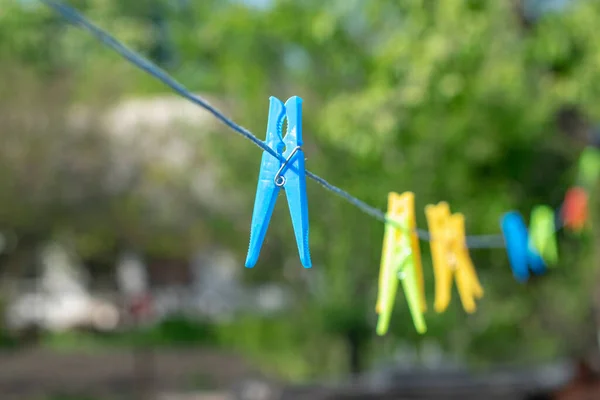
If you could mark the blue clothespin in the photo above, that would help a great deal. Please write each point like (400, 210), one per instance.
(521, 255)
(275, 175)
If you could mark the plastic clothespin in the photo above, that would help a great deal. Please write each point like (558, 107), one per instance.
(542, 234)
(275, 175)
(574, 211)
(451, 258)
(521, 255)
(401, 260)
(589, 167)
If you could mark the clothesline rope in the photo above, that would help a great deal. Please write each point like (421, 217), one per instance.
(76, 18)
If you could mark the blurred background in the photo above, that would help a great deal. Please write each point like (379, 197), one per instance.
(125, 210)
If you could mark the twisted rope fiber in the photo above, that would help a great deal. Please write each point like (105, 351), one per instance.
(73, 16)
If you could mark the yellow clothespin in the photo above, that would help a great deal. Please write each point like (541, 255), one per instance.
(401, 260)
(451, 256)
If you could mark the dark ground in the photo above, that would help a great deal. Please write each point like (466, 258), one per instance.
(113, 374)
(110, 374)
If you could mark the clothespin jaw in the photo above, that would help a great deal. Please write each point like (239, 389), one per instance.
(542, 230)
(451, 258)
(521, 256)
(467, 282)
(574, 211)
(401, 260)
(275, 175)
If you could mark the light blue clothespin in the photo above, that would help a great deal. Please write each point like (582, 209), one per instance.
(521, 255)
(275, 175)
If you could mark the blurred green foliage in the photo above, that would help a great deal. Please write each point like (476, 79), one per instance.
(454, 100)
(172, 331)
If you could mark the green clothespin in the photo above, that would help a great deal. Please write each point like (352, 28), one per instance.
(401, 261)
(542, 234)
(589, 167)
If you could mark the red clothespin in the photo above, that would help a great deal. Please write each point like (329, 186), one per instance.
(574, 211)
